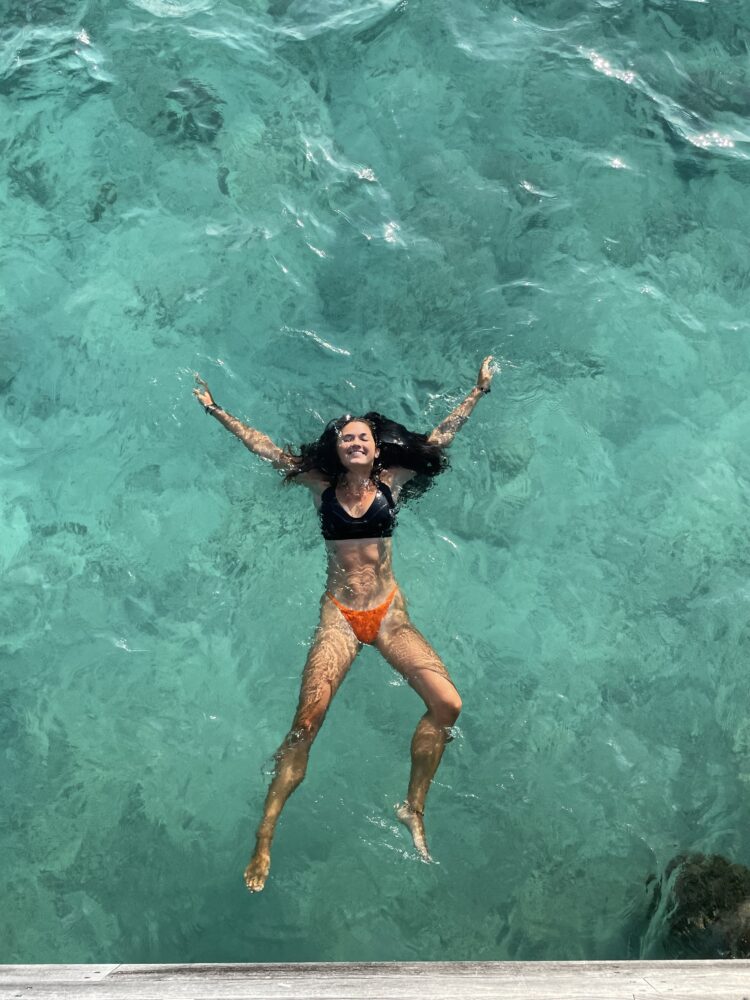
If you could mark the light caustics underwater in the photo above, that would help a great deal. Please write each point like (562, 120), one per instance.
(335, 206)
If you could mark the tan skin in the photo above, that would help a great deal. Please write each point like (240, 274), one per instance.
(360, 576)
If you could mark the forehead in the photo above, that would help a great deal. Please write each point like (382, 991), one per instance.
(356, 427)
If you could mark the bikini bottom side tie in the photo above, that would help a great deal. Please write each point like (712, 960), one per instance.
(365, 624)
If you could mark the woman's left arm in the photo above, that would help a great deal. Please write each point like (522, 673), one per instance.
(446, 430)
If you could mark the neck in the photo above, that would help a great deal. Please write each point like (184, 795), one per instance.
(357, 481)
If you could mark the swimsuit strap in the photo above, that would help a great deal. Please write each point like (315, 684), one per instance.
(386, 491)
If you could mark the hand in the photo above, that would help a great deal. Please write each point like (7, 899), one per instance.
(485, 374)
(203, 395)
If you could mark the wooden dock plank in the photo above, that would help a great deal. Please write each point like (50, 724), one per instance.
(383, 981)
(61, 973)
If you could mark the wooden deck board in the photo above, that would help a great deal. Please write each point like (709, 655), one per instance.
(383, 981)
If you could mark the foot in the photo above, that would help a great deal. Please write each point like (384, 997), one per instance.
(414, 820)
(256, 872)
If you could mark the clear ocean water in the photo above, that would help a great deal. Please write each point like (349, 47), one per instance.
(343, 205)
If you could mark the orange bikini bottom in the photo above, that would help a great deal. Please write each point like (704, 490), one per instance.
(365, 624)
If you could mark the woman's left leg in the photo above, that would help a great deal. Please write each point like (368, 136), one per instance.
(406, 649)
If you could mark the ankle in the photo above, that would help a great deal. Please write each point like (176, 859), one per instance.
(414, 809)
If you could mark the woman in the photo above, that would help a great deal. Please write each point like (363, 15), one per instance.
(356, 472)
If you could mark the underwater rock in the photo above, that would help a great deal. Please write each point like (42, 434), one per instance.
(21, 12)
(72, 527)
(10, 359)
(105, 196)
(31, 178)
(222, 175)
(701, 908)
(196, 118)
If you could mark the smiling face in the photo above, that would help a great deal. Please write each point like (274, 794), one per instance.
(356, 447)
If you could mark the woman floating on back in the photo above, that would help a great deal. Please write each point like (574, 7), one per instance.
(356, 471)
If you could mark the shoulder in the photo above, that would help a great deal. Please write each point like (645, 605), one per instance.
(394, 478)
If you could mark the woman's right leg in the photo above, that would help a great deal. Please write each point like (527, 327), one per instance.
(331, 654)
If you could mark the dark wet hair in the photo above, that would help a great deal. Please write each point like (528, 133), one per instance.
(399, 448)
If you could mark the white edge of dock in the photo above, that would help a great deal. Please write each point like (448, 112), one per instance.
(699, 980)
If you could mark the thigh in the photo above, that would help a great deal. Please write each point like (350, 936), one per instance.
(332, 652)
(408, 652)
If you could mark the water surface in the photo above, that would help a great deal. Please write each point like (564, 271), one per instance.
(339, 206)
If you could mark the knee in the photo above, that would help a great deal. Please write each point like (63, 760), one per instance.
(306, 725)
(291, 757)
(449, 708)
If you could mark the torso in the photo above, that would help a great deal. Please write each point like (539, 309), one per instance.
(360, 572)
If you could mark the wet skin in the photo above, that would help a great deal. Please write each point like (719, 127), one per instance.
(360, 576)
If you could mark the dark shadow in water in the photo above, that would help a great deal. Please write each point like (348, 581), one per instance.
(193, 115)
(700, 909)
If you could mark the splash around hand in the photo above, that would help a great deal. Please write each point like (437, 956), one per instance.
(203, 395)
(486, 373)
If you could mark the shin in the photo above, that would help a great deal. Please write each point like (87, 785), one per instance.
(291, 767)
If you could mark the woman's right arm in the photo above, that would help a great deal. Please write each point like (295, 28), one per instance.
(255, 441)
(445, 432)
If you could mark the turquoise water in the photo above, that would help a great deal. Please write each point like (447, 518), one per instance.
(344, 205)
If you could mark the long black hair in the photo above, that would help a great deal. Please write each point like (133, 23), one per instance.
(399, 448)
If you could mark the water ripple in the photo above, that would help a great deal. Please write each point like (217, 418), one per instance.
(338, 206)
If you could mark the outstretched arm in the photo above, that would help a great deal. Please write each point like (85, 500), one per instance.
(255, 441)
(445, 432)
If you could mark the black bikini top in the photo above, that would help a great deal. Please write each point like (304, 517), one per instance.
(378, 521)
